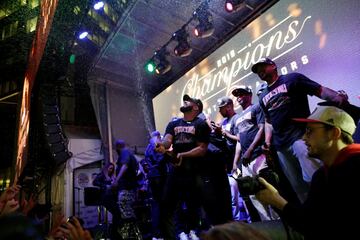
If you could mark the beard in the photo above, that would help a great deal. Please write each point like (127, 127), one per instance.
(185, 109)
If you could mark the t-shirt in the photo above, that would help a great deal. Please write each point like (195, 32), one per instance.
(284, 100)
(186, 135)
(229, 124)
(247, 124)
(128, 181)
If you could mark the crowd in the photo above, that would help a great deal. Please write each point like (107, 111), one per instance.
(275, 160)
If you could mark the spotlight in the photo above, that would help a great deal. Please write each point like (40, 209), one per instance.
(162, 64)
(150, 66)
(158, 63)
(183, 48)
(98, 5)
(205, 28)
(83, 35)
(163, 67)
(234, 5)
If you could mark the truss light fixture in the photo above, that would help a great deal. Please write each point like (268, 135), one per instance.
(205, 28)
(183, 47)
(162, 64)
(234, 5)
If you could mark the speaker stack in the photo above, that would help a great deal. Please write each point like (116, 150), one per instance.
(55, 138)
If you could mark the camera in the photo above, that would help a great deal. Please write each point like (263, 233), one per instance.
(249, 185)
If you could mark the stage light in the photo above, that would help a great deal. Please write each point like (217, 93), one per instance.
(158, 63)
(72, 58)
(163, 67)
(205, 28)
(162, 64)
(234, 5)
(83, 35)
(183, 47)
(98, 5)
(150, 66)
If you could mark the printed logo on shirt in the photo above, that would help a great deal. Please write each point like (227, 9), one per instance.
(246, 116)
(280, 89)
(184, 129)
(244, 122)
(278, 102)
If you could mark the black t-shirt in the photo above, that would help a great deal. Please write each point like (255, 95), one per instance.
(247, 124)
(186, 135)
(284, 100)
(128, 181)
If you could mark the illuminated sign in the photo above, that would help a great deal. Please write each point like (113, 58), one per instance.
(301, 37)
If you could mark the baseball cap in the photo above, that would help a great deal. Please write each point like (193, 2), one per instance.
(194, 100)
(241, 90)
(266, 61)
(224, 101)
(352, 110)
(332, 116)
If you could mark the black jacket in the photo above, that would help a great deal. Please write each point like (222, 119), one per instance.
(332, 208)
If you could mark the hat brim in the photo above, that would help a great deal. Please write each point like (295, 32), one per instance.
(239, 91)
(254, 68)
(306, 120)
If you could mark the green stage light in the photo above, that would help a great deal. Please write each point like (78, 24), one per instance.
(72, 58)
(150, 66)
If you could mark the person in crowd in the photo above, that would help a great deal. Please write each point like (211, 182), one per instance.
(285, 98)
(233, 231)
(8, 200)
(17, 226)
(109, 195)
(218, 193)
(71, 229)
(227, 128)
(249, 152)
(189, 137)
(331, 199)
(126, 183)
(156, 174)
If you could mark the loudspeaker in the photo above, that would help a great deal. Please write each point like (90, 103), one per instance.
(51, 118)
(54, 136)
(52, 128)
(92, 196)
(57, 147)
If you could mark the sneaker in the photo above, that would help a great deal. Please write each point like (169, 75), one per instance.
(183, 236)
(193, 236)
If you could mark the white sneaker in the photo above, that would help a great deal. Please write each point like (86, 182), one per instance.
(193, 236)
(183, 236)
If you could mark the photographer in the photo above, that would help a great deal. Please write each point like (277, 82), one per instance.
(332, 196)
(251, 134)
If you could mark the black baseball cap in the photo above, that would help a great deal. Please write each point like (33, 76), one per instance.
(221, 102)
(194, 100)
(241, 90)
(262, 61)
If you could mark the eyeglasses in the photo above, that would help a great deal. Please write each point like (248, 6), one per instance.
(309, 130)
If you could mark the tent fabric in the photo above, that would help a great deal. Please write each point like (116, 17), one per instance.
(85, 151)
